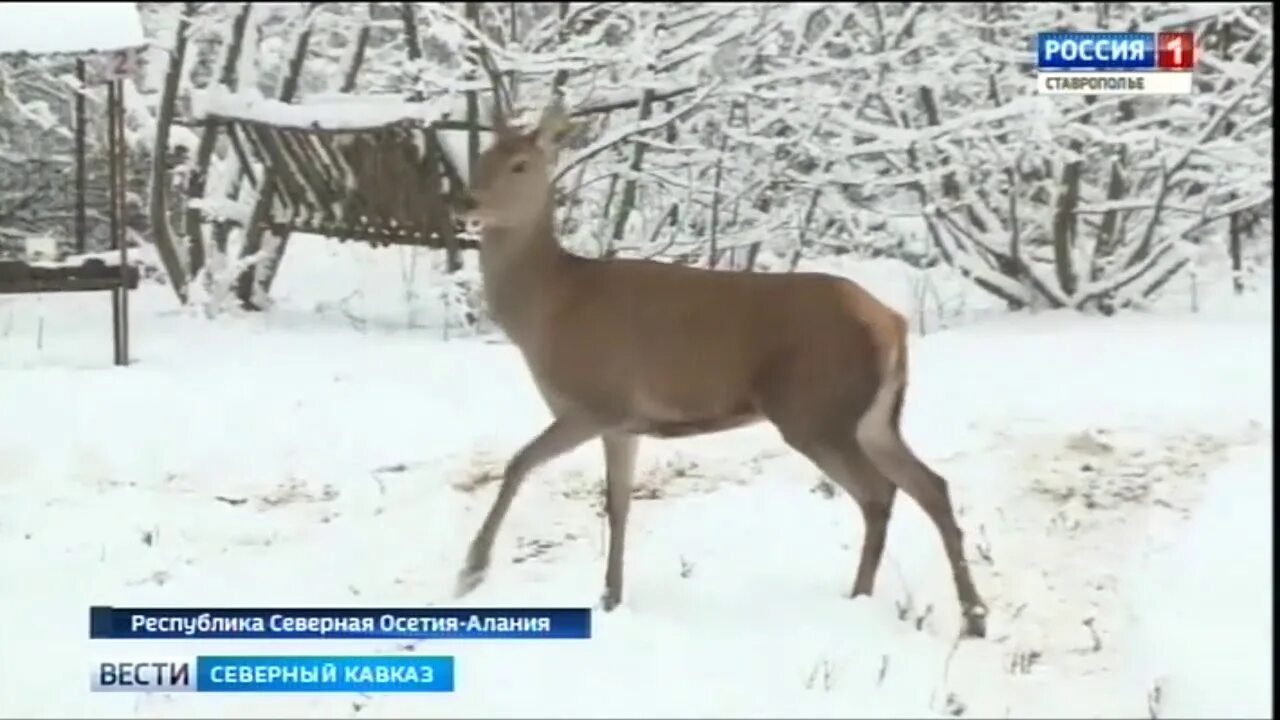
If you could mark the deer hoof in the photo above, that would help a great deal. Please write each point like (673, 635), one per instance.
(469, 579)
(975, 623)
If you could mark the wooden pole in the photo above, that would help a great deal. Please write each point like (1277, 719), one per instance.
(472, 12)
(121, 163)
(81, 228)
(114, 178)
(112, 214)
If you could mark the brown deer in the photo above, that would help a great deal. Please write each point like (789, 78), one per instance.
(624, 348)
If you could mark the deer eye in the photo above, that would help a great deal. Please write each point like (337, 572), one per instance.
(519, 167)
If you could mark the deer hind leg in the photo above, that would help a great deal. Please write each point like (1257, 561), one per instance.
(879, 436)
(815, 409)
(558, 438)
(874, 494)
(620, 463)
(847, 466)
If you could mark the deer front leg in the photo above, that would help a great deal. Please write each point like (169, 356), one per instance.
(620, 465)
(559, 438)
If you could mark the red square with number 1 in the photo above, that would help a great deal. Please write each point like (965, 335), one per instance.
(1175, 50)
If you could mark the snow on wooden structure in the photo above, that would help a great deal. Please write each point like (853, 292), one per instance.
(104, 39)
(364, 169)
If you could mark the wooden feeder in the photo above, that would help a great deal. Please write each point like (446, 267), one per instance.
(104, 39)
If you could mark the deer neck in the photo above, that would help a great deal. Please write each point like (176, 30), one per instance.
(522, 271)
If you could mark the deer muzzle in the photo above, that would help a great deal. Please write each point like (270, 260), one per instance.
(469, 210)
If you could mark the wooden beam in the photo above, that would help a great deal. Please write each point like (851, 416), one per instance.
(241, 155)
(48, 285)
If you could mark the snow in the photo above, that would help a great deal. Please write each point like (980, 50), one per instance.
(69, 27)
(1214, 589)
(1112, 477)
(332, 112)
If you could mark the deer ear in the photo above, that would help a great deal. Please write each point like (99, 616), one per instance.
(498, 119)
(553, 128)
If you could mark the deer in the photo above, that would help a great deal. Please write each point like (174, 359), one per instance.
(621, 349)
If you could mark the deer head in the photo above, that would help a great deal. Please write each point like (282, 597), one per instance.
(512, 186)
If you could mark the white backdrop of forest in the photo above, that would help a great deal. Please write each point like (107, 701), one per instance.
(746, 135)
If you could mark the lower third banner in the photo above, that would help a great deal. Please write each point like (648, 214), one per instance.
(113, 623)
(277, 674)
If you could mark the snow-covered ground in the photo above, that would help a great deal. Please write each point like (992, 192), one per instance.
(1113, 478)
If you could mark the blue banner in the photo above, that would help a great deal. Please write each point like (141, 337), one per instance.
(319, 673)
(1098, 51)
(112, 623)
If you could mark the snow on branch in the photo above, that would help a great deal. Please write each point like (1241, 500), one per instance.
(614, 137)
